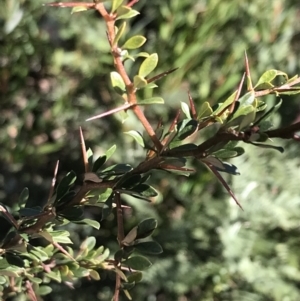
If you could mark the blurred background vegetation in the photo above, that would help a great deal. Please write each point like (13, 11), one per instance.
(54, 75)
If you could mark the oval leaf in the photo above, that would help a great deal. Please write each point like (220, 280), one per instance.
(117, 82)
(148, 65)
(139, 82)
(138, 263)
(134, 42)
(137, 137)
(146, 227)
(149, 247)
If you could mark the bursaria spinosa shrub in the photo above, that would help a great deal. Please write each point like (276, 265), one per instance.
(27, 267)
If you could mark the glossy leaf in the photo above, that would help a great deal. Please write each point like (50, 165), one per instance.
(137, 137)
(14, 259)
(146, 228)
(130, 181)
(149, 247)
(64, 184)
(145, 190)
(186, 128)
(134, 42)
(148, 65)
(117, 169)
(138, 263)
(98, 163)
(135, 277)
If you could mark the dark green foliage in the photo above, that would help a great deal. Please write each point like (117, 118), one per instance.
(57, 72)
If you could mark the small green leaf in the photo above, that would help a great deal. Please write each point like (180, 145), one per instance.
(110, 152)
(23, 196)
(94, 275)
(130, 237)
(228, 168)
(115, 5)
(225, 154)
(186, 128)
(152, 100)
(127, 294)
(117, 169)
(54, 275)
(265, 80)
(146, 227)
(107, 208)
(30, 211)
(225, 104)
(130, 181)
(14, 259)
(145, 190)
(117, 82)
(205, 110)
(91, 223)
(139, 82)
(119, 33)
(44, 290)
(77, 9)
(185, 109)
(64, 184)
(137, 137)
(98, 163)
(89, 243)
(138, 263)
(135, 277)
(148, 65)
(247, 121)
(125, 12)
(149, 247)
(134, 42)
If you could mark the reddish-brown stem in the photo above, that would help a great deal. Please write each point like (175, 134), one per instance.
(131, 91)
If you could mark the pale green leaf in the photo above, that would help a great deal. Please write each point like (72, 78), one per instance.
(185, 109)
(137, 137)
(148, 65)
(117, 82)
(152, 100)
(119, 33)
(134, 42)
(77, 9)
(139, 82)
(115, 5)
